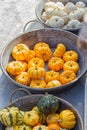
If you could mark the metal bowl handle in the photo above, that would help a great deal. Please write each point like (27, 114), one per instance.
(26, 25)
(16, 90)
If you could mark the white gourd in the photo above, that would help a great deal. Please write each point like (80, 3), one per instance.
(51, 12)
(69, 7)
(55, 21)
(73, 24)
(60, 5)
(49, 5)
(44, 16)
(80, 4)
(77, 14)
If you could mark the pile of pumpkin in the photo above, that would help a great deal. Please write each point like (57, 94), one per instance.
(43, 116)
(40, 67)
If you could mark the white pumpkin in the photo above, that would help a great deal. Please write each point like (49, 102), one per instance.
(44, 16)
(73, 24)
(49, 4)
(69, 7)
(51, 12)
(80, 4)
(55, 21)
(77, 14)
(60, 5)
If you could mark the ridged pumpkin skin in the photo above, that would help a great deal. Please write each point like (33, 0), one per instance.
(67, 76)
(54, 126)
(40, 127)
(31, 118)
(55, 64)
(22, 127)
(20, 118)
(48, 104)
(59, 51)
(23, 78)
(51, 75)
(8, 116)
(30, 55)
(52, 118)
(38, 84)
(70, 56)
(71, 65)
(25, 65)
(20, 52)
(53, 83)
(67, 119)
(36, 72)
(41, 45)
(36, 62)
(43, 52)
(14, 68)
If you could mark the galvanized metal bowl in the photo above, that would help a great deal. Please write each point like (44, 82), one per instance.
(40, 7)
(28, 102)
(52, 37)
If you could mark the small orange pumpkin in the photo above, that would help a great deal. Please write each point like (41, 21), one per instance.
(54, 126)
(53, 83)
(51, 75)
(38, 84)
(14, 67)
(70, 56)
(23, 78)
(36, 62)
(71, 65)
(59, 51)
(55, 64)
(25, 65)
(20, 52)
(67, 76)
(52, 118)
(30, 55)
(41, 45)
(36, 72)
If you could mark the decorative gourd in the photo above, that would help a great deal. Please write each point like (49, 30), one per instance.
(51, 75)
(8, 116)
(60, 5)
(31, 118)
(60, 50)
(52, 118)
(38, 84)
(50, 12)
(69, 7)
(71, 65)
(55, 21)
(14, 68)
(73, 24)
(25, 65)
(55, 64)
(9, 128)
(64, 15)
(80, 4)
(49, 4)
(43, 51)
(36, 72)
(67, 76)
(53, 83)
(70, 56)
(23, 78)
(48, 104)
(30, 55)
(44, 16)
(36, 62)
(40, 127)
(20, 52)
(22, 127)
(54, 126)
(67, 119)
(20, 118)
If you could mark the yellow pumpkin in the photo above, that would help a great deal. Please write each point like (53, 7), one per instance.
(43, 52)
(40, 127)
(55, 64)
(38, 84)
(71, 65)
(36, 62)
(67, 76)
(53, 83)
(59, 51)
(31, 118)
(22, 127)
(30, 55)
(36, 72)
(20, 52)
(67, 119)
(70, 56)
(52, 118)
(23, 78)
(14, 68)
(51, 75)
(41, 45)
